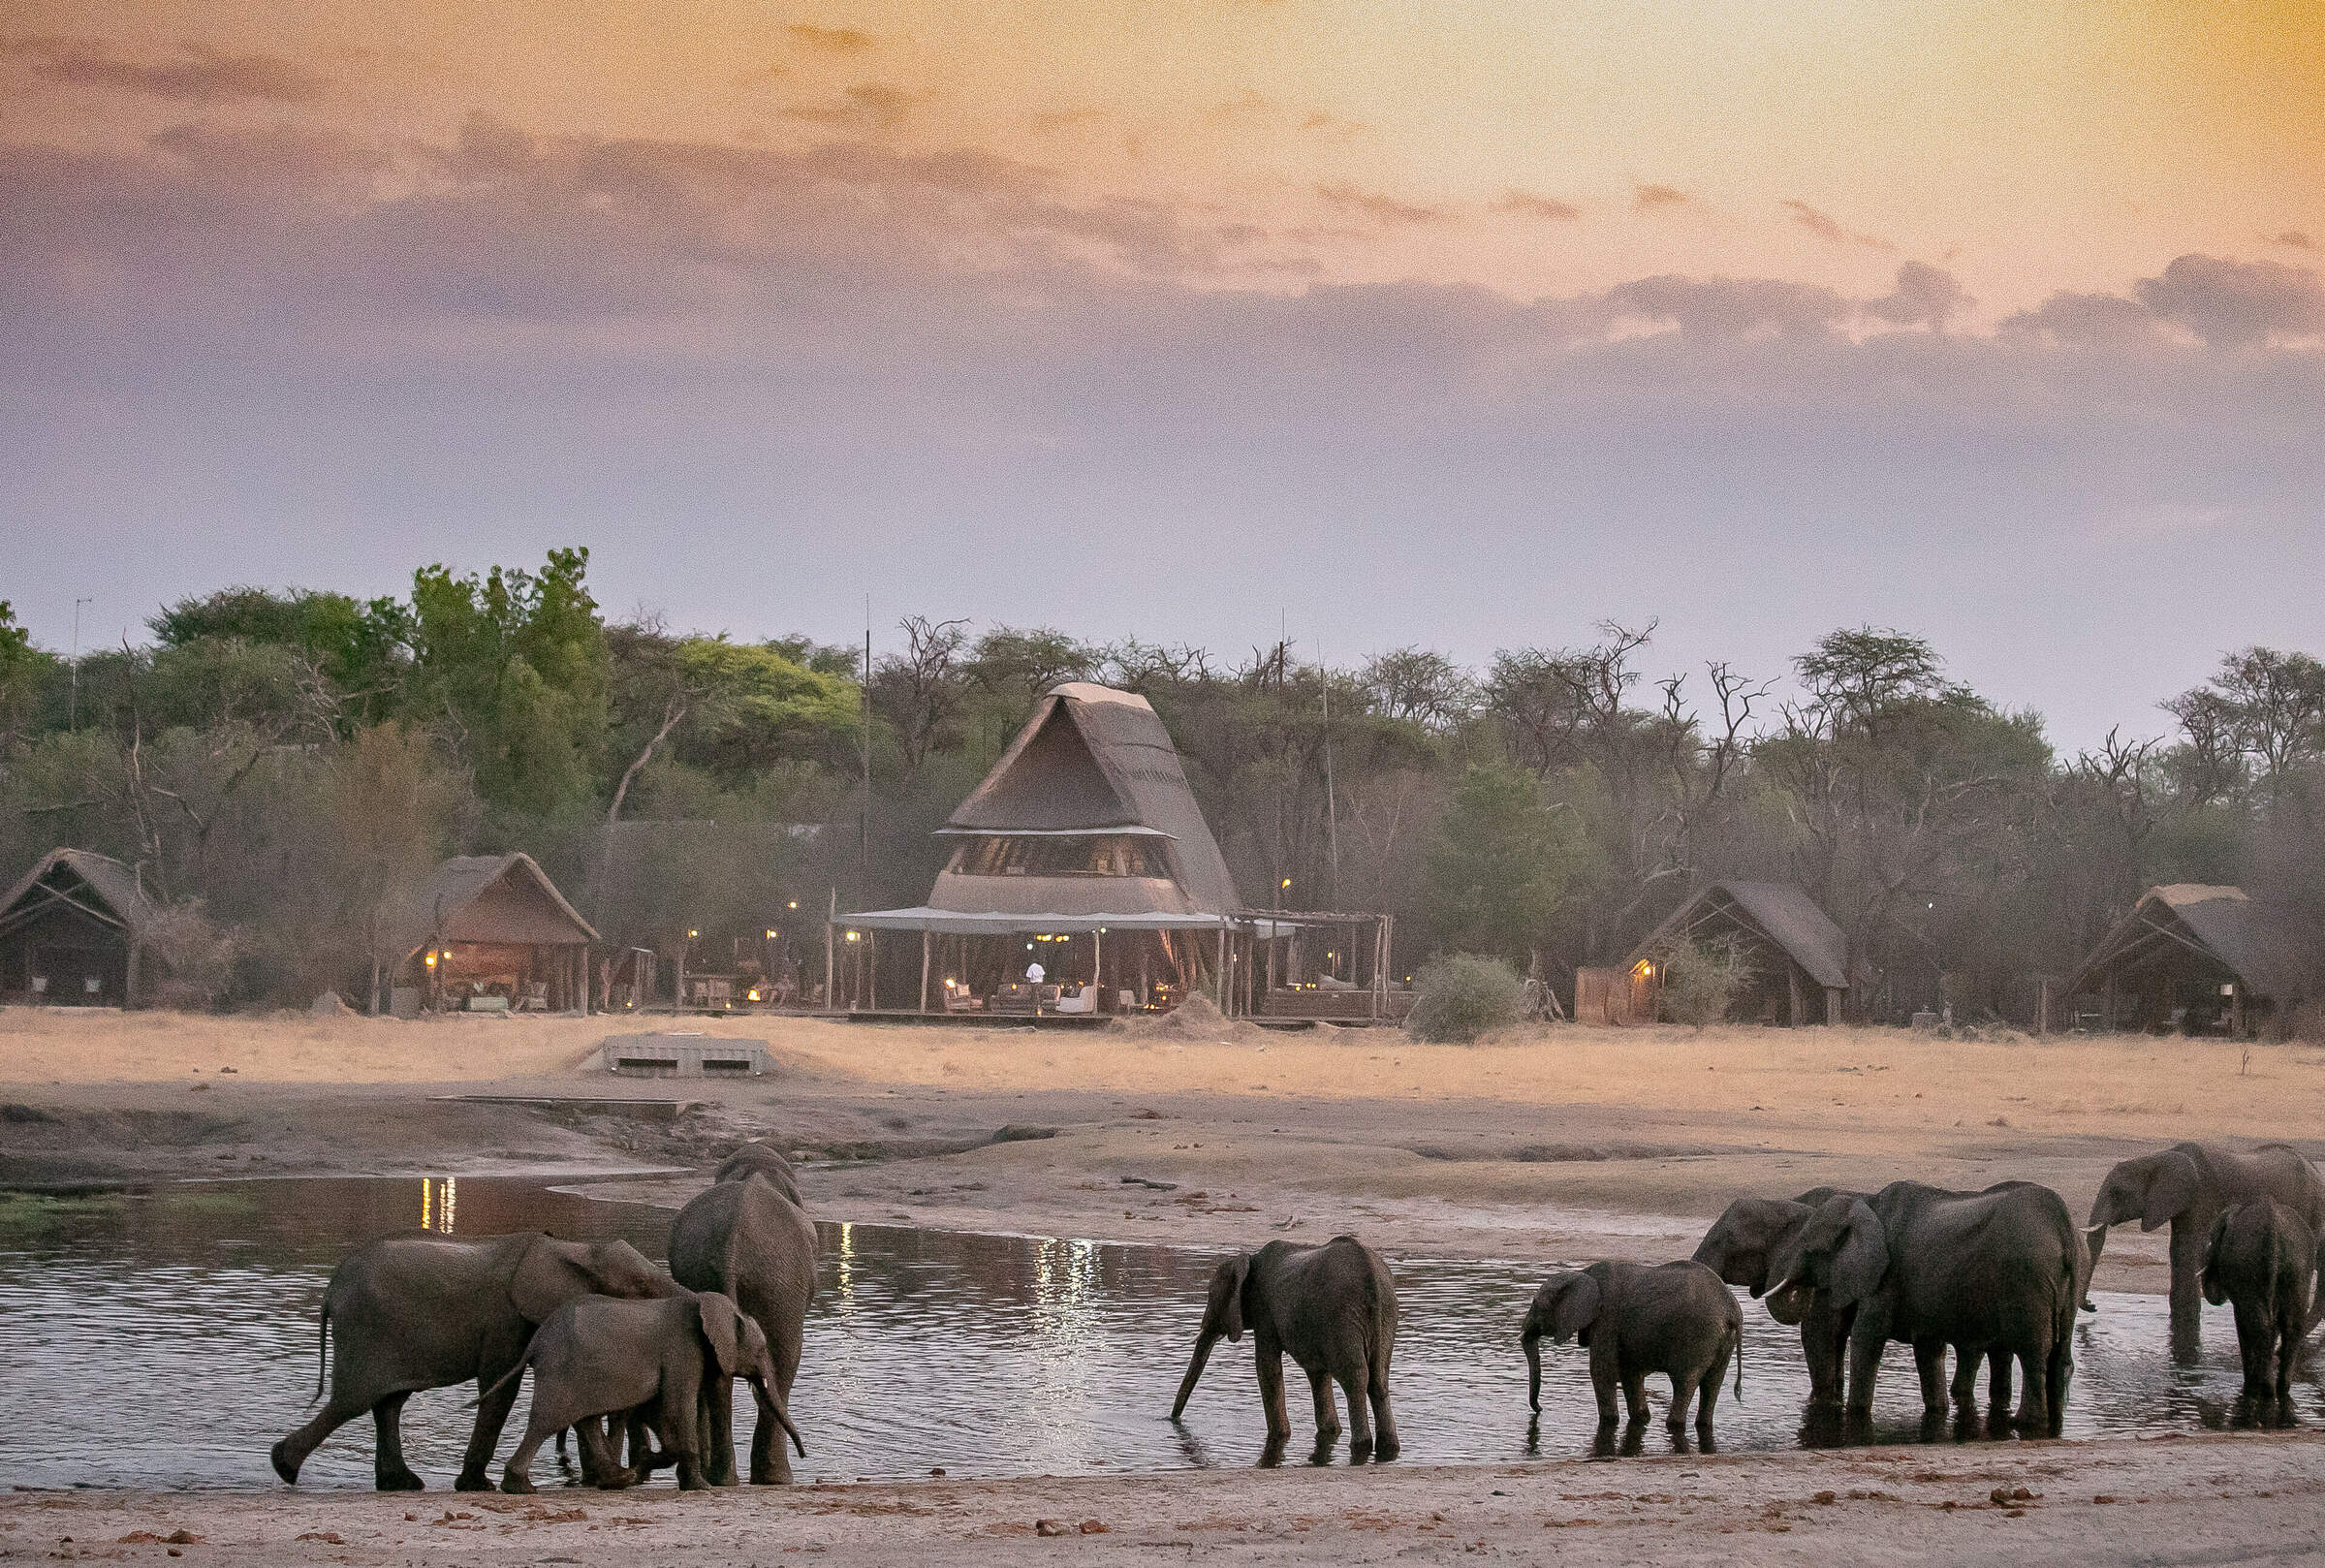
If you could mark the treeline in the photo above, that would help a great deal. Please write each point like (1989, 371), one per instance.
(281, 765)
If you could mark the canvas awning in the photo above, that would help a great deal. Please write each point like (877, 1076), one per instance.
(1003, 923)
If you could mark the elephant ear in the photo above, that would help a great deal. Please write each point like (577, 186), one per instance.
(2215, 1289)
(1231, 1293)
(2172, 1186)
(550, 1273)
(721, 1331)
(1577, 1308)
(1861, 1258)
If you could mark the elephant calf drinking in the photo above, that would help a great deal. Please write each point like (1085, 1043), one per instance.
(1333, 1309)
(1635, 1318)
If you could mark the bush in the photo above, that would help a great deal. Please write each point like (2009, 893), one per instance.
(1701, 981)
(197, 953)
(1466, 997)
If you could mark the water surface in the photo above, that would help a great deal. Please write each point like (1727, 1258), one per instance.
(166, 1338)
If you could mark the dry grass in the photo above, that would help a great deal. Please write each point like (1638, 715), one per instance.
(1845, 1082)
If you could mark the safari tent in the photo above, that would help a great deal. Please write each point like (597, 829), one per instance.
(1084, 850)
(74, 932)
(1797, 958)
(2195, 959)
(491, 931)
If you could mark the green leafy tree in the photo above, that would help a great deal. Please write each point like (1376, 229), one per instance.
(516, 663)
(1500, 864)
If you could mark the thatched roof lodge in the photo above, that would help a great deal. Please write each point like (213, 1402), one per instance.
(1086, 847)
(72, 932)
(1799, 957)
(487, 926)
(2198, 958)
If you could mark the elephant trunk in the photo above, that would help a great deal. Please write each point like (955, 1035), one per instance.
(1788, 1305)
(2095, 1237)
(774, 1405)
(1533, 1369)
(1194, 1370)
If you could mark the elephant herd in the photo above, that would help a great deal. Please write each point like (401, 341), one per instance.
(616, 1347)
(618, 1350)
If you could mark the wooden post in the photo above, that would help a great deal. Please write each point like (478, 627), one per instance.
(1250, 963)
(1226, 997)
(1097, 967)
(2042, 1005)
(129, 981)
(924, 942)
(1796, 997)
(831, 959)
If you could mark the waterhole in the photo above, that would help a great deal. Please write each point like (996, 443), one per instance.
(164, 1339)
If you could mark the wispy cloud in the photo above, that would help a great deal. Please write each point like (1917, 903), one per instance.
(2293, 239)
(1528, 204)
(1651, 198)
(195, 74)
(1379, 208)
(2236, 303)
(1064, 118)
(1925, 296)
(870, 105)
(1827, 226)
(833, 40)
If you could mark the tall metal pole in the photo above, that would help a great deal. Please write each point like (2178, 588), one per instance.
(73, 701)
(863, 809)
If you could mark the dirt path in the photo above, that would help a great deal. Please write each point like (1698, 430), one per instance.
(2208, 1500)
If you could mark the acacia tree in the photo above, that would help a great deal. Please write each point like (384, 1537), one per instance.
(1500, 864)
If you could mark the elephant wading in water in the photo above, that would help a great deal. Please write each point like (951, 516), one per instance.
(765, 1161)
(1738, 1248)
(1332, 1309)
(746, 1239)
(1998, 1272)
(426, 1311)
(596, 1357)
(1674, 1318)
(2263, 1259)
(2190, 1187)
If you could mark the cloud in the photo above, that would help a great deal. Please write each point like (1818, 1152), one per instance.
(1247, 104)
(1826, 227)
(2086, 321)
(2295, 239)
(195, 74)
(1320, 123)
(1380, 209)
(868, 105)
(1732, 307)
(1064, 118)
(1650, 198)
(1925, 296)
(1525, 203)
(833, 40)
(2235, 303)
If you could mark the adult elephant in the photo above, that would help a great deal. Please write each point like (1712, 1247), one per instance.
(426, 1311)
(1999, 1271)
(2189, 1186)
(761, 1159)
(748, 1240)
(1738, 1248)
(1333, 1309)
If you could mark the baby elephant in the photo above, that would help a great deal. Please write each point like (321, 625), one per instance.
(1674, 1318)
(597, 1356)
(2262, 1258)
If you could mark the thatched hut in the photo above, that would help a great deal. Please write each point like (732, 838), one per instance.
(491, 931)
(74, 932)
(1798, 959)
(2195, 959)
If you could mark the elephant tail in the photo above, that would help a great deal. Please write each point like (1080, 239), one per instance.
(1737, 1334)
(322, 1329)
(512, 1375)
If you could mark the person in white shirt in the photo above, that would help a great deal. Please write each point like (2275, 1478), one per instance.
(1035, 974)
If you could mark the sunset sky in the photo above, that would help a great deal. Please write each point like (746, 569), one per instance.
(1463, 324)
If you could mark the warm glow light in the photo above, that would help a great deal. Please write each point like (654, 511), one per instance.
(851, 936)
(794, 904)
(752, 994)
(432, 960)
(1287, 881)
(691, 934)
(771, 933)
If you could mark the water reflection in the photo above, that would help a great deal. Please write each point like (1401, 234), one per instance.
(978, 1354)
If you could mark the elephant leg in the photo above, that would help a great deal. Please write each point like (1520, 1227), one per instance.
(1928, 1360)
(1352, 1379)
(1383, 1425)
(1997, 1381)
(1864, 1368)
(1269, 1363)
(389, 1470)
(516, 1476)
(1606, 1375)
(2034, 1374)
(682, 1425)
(718, 1421)
(492, 1414)
(771, 1459)
(1328, 1415)
(2056, 1374)
(289, 1455)
(1682, 1395)
(1823, 1344)
(1707, 1392)
(1965, 1374)
(601, 1455)
(1634, 1394)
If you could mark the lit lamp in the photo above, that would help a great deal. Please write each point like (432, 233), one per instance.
(851, 936)
(430, 960)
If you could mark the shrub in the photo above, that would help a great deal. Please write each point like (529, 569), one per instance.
(197, 953)
(1466, 997)
(1702, 980)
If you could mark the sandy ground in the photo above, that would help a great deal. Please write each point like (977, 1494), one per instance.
(2198, 1500)
(1560, 1143)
